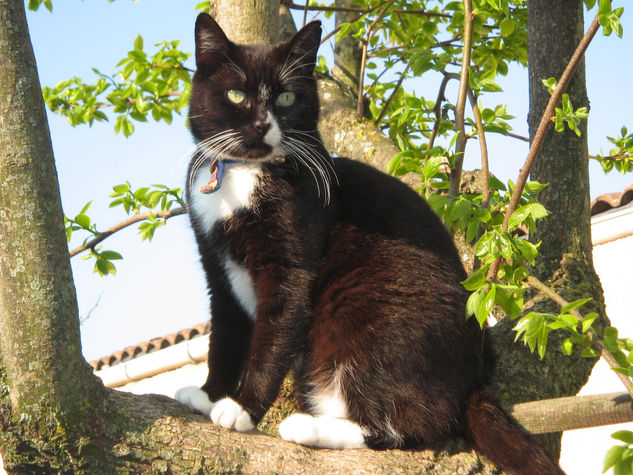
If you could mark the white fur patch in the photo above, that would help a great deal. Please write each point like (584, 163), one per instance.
(236, 191)
(229, 414)
(195, 399)
(323, 432)
(328, 400)
(274, 136)
(242, 286)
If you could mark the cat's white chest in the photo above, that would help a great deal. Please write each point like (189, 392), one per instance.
(236, 191)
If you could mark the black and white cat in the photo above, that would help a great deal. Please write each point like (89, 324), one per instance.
(329, 267)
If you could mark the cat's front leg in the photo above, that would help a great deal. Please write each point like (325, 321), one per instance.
(231, 330)
(283, 311)
(231, 415)
(195, 399)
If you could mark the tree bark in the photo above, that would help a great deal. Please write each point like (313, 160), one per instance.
(259, 25)
(565, 255)
(347, 51)
(46, 382)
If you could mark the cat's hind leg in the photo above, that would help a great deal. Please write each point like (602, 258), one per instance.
(329, 427)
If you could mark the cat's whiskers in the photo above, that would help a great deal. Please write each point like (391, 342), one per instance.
(217, 145)
(311, 156)
(317, 146)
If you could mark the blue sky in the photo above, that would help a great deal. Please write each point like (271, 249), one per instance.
(159, 287)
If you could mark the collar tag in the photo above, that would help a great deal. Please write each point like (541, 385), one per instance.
(217, 170)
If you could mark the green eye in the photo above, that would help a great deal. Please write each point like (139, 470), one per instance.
(285, 99)
(236, 96)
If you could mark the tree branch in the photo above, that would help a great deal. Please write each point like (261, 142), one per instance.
(539, 136)
(294, 6)
(370, 32)
(460, 144)
(124, 224)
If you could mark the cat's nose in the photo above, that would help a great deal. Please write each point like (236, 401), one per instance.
(261, 126)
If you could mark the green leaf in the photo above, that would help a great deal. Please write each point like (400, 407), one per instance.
(588, 321)
(474, 300)
(485, 306)
(613, 455)
(531, 210)
(138, 43)
(567, 346)
(506, 26)
(533, 187)
(574, 304)
(104, 267)
(589, 352)
(476, 279)
(625, 436)
(83, 221)
(111, 255)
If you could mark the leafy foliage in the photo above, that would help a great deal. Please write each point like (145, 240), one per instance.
(620, 457)
(145, 86)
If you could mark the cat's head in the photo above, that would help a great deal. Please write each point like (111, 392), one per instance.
(253, 102)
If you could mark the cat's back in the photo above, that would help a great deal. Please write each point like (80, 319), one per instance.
(380, 204)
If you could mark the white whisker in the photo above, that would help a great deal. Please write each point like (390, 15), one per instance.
(218, 145)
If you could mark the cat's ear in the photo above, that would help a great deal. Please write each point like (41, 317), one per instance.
(302, 47)
(212, 45)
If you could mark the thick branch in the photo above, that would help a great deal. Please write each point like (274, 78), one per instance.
(574, 412)
(348, 136)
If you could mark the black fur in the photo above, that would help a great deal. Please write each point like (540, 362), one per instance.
(366, 278)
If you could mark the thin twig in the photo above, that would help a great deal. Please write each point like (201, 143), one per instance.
(393, 94)
(539, 136)
(426, 13)
(485, 170)
(437, 110)
(363, 61)
(460, 144)
(595, 341)
(483, 148)
(124, 224)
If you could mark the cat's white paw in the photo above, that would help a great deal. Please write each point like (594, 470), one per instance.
(229, 414)
(323, 432)
(195, 399)
(300, 429)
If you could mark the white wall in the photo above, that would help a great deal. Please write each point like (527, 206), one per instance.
(584, 449)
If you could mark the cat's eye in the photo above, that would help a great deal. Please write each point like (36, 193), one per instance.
(285, 99)
(236, 96)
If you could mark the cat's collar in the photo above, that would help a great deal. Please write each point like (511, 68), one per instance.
(217, 172)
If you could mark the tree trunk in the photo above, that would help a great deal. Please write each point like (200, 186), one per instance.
(565, 259)
(347, 51)
(45, 381)
(259, 25)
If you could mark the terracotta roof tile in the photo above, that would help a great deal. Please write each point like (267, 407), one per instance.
(608, 201)
(150, 346)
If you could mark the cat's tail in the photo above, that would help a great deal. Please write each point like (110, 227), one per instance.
(501, 439)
